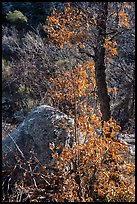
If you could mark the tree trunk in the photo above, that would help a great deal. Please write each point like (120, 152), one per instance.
(100, 63)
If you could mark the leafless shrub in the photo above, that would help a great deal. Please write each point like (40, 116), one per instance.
(33, 62)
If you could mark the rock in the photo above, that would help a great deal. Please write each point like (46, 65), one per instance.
(129, 140)
(43, 125)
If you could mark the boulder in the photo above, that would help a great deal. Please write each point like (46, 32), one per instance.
(43, 125)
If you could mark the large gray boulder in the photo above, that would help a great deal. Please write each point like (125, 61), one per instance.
(43, 125)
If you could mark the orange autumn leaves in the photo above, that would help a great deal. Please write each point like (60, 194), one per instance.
(67, 27)
(98, 155)
(75, 83)
(75, 86)
(97, 161)
(98, 158)
(110, 48)
(123, 20)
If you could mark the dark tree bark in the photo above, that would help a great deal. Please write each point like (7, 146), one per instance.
(100, 61)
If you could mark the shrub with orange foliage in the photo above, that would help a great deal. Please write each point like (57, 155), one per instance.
(66, 28)
(94, 168)
(74, 85)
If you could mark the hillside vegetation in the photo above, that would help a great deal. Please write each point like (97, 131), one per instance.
(79, 58)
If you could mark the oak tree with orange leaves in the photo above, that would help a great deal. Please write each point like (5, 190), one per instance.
(74, 26)
(92, 169)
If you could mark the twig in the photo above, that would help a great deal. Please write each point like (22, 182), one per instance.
(42, 176)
